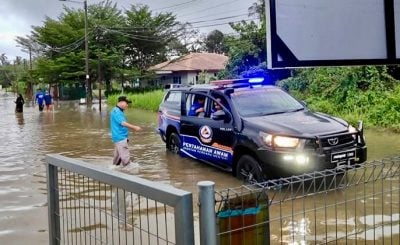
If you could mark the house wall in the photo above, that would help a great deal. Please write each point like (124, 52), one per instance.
(186, 78)
(191, 78)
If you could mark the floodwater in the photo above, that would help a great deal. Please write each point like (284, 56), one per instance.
(76, 131)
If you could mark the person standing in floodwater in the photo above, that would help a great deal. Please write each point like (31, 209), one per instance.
(39, 99)
(119, 131)
(19, 104)
(48, 100)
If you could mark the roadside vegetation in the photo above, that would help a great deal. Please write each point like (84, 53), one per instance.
(146, 100)
(368, 93)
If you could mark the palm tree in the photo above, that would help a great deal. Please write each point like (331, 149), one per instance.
(18, 60)
(3, 59)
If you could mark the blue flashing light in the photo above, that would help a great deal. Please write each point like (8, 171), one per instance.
(256, 80)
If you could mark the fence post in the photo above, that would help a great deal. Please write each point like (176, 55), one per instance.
(53, 206)
(184, 228)
(208, 231)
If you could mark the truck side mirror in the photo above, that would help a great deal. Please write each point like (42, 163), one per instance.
(221, 115)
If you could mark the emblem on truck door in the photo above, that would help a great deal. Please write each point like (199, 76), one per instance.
(205, 134)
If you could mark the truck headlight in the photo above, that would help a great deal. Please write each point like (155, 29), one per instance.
(279, 141)
(286, 142)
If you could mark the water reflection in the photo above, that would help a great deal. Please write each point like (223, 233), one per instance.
(382, 143)
(20, 118)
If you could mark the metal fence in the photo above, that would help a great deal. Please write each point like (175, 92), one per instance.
(359, 204)
(93, 205)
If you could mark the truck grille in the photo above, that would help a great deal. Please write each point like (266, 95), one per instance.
(333, 142)
(337, 140)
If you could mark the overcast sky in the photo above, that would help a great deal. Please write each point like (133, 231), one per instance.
(17, 16)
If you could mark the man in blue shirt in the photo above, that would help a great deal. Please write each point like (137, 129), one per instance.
(197, 109)
(119, 131)
(48, 100)
(39, 99)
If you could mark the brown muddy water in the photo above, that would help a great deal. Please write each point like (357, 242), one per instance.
(76, 131)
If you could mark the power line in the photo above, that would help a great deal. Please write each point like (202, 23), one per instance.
(220, 24)
(136, 37)
(154, 39)
(175, 5)
(211, 7)
(215, 15)
(222, 18)
(125, 30)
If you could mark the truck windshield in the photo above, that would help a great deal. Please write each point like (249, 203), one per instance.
(264, 101)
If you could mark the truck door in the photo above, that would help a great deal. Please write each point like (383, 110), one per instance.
(207, 137)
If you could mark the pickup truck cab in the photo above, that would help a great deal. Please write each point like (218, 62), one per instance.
(255, 131)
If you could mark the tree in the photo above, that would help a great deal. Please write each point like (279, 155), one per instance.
(122, 45)
(149, 36)
(12, 73)
(187, 41)
(215, 42)
(5, 73)
(247, 48)
(61, 43)
(3, 59)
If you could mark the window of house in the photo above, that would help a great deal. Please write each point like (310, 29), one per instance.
(177, 80)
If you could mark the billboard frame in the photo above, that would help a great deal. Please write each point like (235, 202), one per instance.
(280, 56)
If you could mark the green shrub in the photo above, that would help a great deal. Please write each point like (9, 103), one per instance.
(353, 93)
(147, 100)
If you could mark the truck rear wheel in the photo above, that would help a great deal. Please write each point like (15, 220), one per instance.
(174, 143)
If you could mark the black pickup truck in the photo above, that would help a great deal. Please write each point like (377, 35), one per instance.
(259, 131)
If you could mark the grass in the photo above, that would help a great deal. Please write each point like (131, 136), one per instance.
(147, 101)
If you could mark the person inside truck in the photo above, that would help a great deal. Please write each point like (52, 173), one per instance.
(217, 108)
(197, 108)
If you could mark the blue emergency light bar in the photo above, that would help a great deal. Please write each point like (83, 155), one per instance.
(238, 82)
(256, 80)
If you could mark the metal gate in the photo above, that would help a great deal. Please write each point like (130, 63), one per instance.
(93, 205)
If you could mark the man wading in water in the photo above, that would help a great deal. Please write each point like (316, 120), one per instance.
(119, 132)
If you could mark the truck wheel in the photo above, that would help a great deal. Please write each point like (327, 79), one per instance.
(248, 170)
(174, 143)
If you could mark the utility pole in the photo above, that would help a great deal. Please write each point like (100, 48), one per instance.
(99, 79)
(88, 83)
(30, 86)
(30, 58)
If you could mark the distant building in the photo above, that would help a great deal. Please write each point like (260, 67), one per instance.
(190, 69)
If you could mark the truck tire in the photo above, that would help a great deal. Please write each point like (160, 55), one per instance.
(248, 170)
(174, 143)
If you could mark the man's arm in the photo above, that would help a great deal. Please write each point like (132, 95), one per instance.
(131, 126)
(199, 110)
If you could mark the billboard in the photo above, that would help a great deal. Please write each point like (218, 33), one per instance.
(307, 33)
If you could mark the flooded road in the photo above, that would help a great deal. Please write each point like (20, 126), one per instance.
(76, 131)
